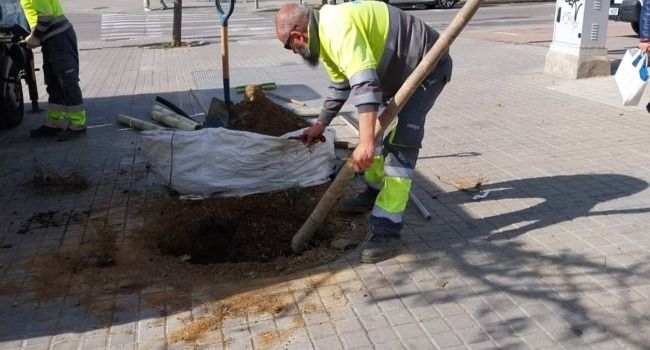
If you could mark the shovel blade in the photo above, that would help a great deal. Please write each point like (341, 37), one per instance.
(218, 114)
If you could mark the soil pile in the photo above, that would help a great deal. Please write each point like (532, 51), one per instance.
(256, 113)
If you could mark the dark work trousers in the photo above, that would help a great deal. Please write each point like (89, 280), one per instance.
(61, 70)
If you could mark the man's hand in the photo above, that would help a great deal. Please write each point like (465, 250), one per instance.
(31, 41)
(362, 157)
(644, 47)
(364, 154)
(313, 134)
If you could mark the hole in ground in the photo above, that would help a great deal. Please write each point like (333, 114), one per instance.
(256, 228)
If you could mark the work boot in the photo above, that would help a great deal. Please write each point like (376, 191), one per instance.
(69, 134)
(360, 203)
(44, 131)
(379, 247)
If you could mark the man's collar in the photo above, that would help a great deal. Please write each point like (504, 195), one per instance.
(314, 40)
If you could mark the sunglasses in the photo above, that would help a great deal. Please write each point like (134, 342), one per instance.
(289, 44)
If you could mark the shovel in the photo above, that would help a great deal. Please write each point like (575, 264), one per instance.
(219, 111)
(219, 114)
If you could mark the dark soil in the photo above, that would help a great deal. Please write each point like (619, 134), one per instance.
(261, 115)
(257, 228)
(47, 180)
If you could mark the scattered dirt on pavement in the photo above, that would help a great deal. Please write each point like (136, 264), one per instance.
(48, 180)
(256, 302)
(272, 338)
(53, 218)
(233, 252)
(172, 299)
(10, 286)
(57, 273)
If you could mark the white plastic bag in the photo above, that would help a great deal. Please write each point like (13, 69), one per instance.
(225, 163)
(632, 76)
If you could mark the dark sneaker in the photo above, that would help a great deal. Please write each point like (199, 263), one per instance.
(379, 248)
(69, 134)
(44, 131)
(360, 203)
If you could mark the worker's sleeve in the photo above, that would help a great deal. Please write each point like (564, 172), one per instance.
(30, 13)
(366, 92)
(44, 12)
(337, 94)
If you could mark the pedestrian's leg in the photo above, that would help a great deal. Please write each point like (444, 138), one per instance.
(146, 5)
(164, 6)
(55, 115)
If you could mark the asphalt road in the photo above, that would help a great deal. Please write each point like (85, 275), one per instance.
(495, 16)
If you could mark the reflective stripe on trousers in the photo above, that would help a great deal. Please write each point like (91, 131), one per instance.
(393, 166)
(393, 177)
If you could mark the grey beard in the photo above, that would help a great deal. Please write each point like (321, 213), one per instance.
(311, 60)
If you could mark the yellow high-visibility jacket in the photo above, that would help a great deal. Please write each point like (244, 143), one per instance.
(45, 18)
(352, 37)
(368, 49)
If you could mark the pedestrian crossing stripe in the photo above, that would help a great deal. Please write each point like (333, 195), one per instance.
(194, 26)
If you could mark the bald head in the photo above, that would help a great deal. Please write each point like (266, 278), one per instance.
(291, 17)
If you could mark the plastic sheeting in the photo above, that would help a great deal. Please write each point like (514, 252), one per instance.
(224, 163)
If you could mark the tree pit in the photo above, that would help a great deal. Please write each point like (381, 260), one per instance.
(253, 229)
(218, 248)
(256, 228)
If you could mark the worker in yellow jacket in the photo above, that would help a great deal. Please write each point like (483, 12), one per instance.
(51, 30)
(369, 48)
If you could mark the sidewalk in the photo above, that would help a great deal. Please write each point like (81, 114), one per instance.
(557, 256)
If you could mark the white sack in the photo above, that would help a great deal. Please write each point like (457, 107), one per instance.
(632, 76)
(225, 163)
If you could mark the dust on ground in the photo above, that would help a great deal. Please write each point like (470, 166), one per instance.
(272, 303)
(229, 250)
(48, 180)
(51, 218)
